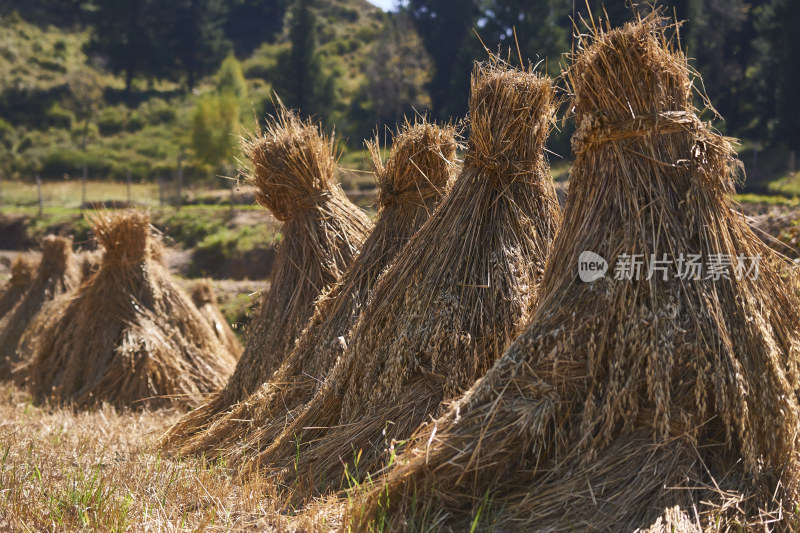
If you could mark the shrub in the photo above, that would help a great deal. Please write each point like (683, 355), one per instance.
(62, 161)
(259, 67)
(25, 144)
(188, 229)
(230, 79)
(217, 253)
(111, 121)
(213, 133)
(49, 64)
(7, 133)
(58, 117)
(151, 148)
(345, 46)
(135, 122)
(60, 47)
(348, 13)
(159, 111)
(366, 34)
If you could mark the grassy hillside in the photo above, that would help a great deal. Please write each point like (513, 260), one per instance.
(40, 133)
(42, 128)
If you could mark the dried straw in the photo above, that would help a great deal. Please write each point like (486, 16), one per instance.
(90, 263)
(56, 275)
(206, 302)
(129, 336)
(650, 403)
(22, 272)
(453, 300)
(294, 167)
(420, 169)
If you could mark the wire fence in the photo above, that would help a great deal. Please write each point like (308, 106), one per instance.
(40, 196)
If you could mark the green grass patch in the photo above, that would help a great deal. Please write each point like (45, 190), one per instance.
(788, 184)
(767, 199)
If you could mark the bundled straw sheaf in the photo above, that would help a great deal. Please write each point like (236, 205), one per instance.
(129, 336)
(90, 263)
(666, 401)
(420, 169)
(451, 302)
(322, 231)
(23, 269)
(205, 300)
(56, 275)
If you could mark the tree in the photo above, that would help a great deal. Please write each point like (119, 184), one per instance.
(779, 69)
(540, 27)
(397, 73)
(9, 156)
(193, 36)
(302, 83)
(252, 22)
(230, 79)
(59, 13)
(84, 98)
(716, 39)
(123, 33)
(213, 135)
(445, 27)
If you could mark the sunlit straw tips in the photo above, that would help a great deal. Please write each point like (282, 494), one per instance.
(293, 169)
(451, 301)
(419, 171)
(633, 402)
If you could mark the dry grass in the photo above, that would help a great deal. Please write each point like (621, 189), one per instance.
(128, 336)
(629, 403)
(56, 275)
(205, 300)
(23, 269)
(454, 298)
(89, 262)
(99, 470)
(293, 171)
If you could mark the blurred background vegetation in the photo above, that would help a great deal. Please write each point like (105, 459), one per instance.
(113, 88)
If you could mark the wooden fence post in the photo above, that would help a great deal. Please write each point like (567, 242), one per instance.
(84, 177)
(179, 180)
(128, 183)
(39, 194)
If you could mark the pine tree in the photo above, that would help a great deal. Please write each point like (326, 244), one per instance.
(397, 73)
(252, 22)
(779, 67)
(303, 83)
(716, 38)
(540, 29)
(193, 36)
(445, 27)
(123, 34)
(230, 79)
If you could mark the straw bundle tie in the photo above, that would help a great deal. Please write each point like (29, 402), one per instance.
(593, 131)
(498, 166)
(289, 211)
(412, 196)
